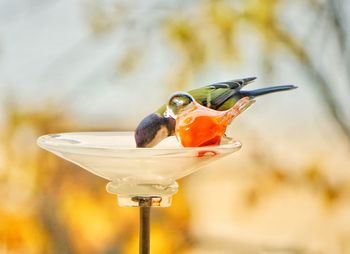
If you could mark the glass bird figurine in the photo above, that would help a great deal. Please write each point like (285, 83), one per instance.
(197, 125)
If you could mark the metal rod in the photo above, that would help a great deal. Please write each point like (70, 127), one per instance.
(145, 210)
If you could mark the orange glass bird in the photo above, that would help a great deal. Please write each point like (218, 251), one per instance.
(197, 125)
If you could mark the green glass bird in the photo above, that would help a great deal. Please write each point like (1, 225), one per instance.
(219, 96)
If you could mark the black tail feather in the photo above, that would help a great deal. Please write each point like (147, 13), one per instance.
(267, 90)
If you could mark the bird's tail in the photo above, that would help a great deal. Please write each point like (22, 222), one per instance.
(267, 90)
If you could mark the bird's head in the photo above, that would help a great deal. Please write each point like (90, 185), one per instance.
(157, 126)
(153, 129)
(179, 102)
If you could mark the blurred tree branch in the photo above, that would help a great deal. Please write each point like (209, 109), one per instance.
(324, 83)
(321, 83)
(338, 19)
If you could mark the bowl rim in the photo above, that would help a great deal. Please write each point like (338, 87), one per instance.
(45, 143)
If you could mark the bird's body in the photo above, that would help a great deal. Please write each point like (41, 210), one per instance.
(219, 96)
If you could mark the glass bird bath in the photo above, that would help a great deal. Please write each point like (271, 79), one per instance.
(140, 177)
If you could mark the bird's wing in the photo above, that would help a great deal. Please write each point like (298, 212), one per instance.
(232, 84)
(214, 95)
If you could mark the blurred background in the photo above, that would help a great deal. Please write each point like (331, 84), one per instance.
(77, 65)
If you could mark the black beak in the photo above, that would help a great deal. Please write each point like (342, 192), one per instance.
(153, 129)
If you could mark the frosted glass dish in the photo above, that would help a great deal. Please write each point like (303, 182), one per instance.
(134, 173)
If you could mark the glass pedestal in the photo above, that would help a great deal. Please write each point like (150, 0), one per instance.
(140, 177)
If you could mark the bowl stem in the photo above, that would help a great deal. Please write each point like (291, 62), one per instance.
(145, 210)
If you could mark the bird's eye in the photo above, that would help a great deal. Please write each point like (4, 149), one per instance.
(179, 101)
(174, 102)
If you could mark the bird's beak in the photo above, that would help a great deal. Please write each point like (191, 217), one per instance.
(153, 129)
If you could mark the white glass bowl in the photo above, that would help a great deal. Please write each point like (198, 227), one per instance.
(134, 173)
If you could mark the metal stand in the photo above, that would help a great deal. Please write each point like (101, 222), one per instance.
(144, 242)
(145, 204)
